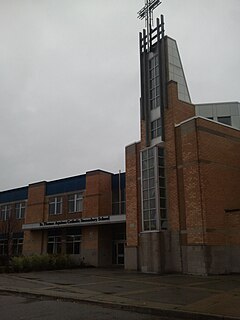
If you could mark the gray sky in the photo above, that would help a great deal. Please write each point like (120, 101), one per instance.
(69, 78)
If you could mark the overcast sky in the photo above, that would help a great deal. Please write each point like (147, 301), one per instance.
(69, 78)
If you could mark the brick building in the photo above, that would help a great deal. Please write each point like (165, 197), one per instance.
(183, 176)
(181, 194)
(83, 216)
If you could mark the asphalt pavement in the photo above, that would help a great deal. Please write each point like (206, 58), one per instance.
(175, 295)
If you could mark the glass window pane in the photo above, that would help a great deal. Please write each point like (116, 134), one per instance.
(151, 183)
(225, 120)
(152, 193)
(145, 204)
(145, 174)
(150, 152)
(145, 184)
(151, 172)
(146, 225)
(162, 193)
(161, 162)
(163, 213)
(144, 155)
(145, 194)
(153, 225)
(161, 172)
(162, 203)
(161, 182)
(151, 163)
(161, 152)
(152, 204)
(144, 164)
(153, 214)
(146, 215)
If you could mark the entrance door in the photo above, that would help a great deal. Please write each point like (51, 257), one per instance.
(118, 252)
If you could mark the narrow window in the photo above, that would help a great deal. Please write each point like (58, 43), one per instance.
(5, 212)
(20, 210)
(154, 88)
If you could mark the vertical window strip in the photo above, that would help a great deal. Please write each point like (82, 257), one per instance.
(162, 189)
(154, 83)
(149, 210)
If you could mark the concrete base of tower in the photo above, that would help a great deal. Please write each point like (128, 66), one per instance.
(151, 253)
(131, 258)
(204, 260)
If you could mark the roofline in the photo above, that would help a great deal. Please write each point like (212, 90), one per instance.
(14, 189)
(214, 103)
(199, 117)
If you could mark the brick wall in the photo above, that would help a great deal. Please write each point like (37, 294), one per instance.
(132, 194)
(209, 167)
(36, 203)
(176, 112)
(98, 196)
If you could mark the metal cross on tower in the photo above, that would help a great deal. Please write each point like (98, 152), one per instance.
(147, 13)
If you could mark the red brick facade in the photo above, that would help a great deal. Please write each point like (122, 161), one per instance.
(202, 166)
(94, 223)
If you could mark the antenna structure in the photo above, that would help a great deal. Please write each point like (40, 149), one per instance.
(147, 13)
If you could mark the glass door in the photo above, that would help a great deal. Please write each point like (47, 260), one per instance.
(118, 252)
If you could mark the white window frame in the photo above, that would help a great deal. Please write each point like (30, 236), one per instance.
(77, 200)
(5, 212)
(56, 241)
(20, 208)
(55, 201)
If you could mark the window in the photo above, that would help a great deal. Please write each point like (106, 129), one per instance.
(118, 208)
(54, 245)
(17, 246)
(154, 204)
(5, 212)
(55, 205)
(118, 202)
(75, 202)
(20, 210)
(225, 120)
(162, 189)
(149, 209)
(154, 83)
(3, 247)
(156, 128)
(73, 244)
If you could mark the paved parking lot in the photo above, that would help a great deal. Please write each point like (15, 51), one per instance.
(24, 308)
(174, 295)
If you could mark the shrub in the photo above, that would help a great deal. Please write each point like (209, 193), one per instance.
(41, 262)
(17, 264)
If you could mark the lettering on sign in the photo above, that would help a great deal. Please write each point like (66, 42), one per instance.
(72, 221)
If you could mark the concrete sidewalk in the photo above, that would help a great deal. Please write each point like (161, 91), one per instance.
(180, 296)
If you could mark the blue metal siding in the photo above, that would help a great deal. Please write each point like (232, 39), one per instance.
(66, 185)
(14, 195)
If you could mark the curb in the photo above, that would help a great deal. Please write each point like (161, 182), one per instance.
(168, 313)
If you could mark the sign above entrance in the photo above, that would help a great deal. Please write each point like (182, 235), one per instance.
(75, 222)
